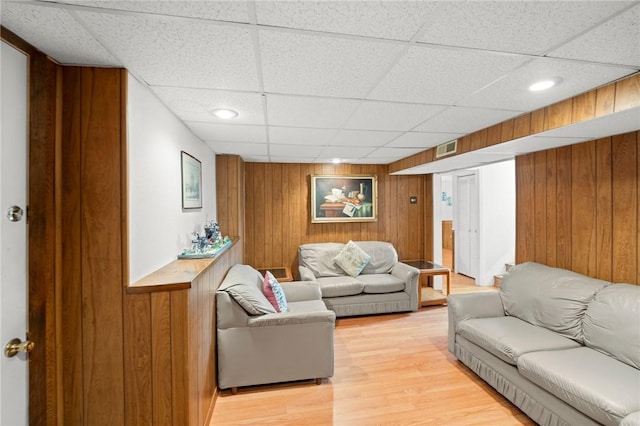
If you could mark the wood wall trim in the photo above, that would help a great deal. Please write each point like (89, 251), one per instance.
(177, 275)
(614, 97)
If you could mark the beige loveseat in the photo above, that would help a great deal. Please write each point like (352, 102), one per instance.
(563, 347)
(258, 345)
(384, 285)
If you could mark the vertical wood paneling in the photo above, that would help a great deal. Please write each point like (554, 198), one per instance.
(583, 214)
(70, 159)
(161, 360)
(552, 219)
(270, 187)
(180, 376)
(540, 209)
(625, 207)
(604, 212)
(525, 196)
(101, 251)
(591, 207)
(137, 361)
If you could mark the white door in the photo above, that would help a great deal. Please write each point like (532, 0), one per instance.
(466, 225)
(14, 375)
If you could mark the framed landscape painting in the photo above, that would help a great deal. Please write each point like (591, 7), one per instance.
(344, 198)
(191, 182)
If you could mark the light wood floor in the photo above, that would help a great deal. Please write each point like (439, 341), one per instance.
(389, 370)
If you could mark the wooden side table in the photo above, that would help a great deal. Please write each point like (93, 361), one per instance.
(281, 273)
(427, 295)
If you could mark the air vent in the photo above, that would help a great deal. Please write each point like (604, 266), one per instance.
(447, 148)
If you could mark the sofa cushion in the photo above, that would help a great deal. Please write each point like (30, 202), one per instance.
(274, 293)
(381, 283)
(340, 286)
(383, 256)
(596, 384)
(549, 297)
(508, 338)
(352, 259)
(318, 258)
(612, 323)
(244, 285)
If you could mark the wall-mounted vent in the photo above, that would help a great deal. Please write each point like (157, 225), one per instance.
(447, 148)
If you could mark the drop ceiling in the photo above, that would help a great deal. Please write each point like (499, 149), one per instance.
(365, 81)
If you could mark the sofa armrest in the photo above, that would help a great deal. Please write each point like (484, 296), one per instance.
(291, 318)
(410, 276)
(298, 291)
(306, 274)
(471, 305)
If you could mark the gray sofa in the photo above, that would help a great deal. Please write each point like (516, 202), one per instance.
(562, 347)
(384, 285)
(257, 345)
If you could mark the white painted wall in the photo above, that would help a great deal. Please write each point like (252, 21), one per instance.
(497, 229)
(158, 227)
(446, 197)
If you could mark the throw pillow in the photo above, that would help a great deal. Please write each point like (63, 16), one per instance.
(352, 259)
(250, 298)
(274, 293)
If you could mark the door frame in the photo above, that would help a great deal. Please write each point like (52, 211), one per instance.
(456, 212)
(43, 214)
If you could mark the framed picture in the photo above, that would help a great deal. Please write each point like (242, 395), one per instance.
(191, 182)
(344, 198)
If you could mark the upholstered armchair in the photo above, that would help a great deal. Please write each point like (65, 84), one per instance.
(258, 345)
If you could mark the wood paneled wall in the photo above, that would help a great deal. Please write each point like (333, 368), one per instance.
(170, 364)
(230, 195)
(277, 214)
(578, 207)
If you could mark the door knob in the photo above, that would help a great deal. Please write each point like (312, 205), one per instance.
(14, 214)
(16, 345)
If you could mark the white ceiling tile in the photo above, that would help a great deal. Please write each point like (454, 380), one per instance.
(363, 138)
(196, 104)
(179, 53)
(55, 33)
(389, 116)
(398, 20)
(512, 91)
(301, 111)
(238, 148)
(214, 10)
(531, 27)
(421, 140)
(228, 132)
(345, 152)
(300, 136)
(303, 151)
(442, 76)
(289, 159)
(396, 153)
(616, 41)
(465, 120)
(317, 65)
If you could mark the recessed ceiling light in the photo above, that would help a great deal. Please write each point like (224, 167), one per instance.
(543, 85)
(224, 113)
(336, 161)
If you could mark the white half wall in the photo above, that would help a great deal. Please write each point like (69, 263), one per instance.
(158, 227)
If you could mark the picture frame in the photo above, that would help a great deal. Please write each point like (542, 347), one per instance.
(191, 170)
(344, 198)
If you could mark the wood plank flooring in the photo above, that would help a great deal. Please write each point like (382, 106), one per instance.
(389, 370)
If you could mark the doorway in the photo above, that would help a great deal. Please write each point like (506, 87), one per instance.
(466, 224)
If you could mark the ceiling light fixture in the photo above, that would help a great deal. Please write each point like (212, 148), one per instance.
(224, 113)
(336, 161)
(543, 85)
